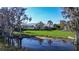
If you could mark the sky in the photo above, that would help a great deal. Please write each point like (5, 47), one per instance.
(44, 14)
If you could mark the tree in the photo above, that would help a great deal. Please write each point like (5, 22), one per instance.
(57, 26)
(72, 13)
(50, 23)
(20, 16)
(7, 20)
(11, 17)
(40, 25)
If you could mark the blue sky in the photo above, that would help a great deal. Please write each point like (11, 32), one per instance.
(44, 14)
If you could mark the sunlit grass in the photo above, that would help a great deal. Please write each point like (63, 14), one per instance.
(46, 33)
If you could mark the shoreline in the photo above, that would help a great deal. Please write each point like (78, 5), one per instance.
(46, 37)
(50, 38)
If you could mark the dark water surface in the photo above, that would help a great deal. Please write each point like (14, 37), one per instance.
(47, 45)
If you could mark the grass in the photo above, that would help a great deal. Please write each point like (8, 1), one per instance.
(46, 33)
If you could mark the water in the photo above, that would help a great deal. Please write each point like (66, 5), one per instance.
(47, 45)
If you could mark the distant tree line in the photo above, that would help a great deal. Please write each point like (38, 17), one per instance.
(42, 26)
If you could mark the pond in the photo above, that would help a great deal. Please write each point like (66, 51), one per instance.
(47, 45)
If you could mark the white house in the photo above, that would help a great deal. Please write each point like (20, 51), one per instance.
(33, 26)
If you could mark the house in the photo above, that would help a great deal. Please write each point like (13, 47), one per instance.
(47, 26)
(29, 26)
(33, 26)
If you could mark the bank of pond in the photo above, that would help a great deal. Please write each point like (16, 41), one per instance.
(36, 44)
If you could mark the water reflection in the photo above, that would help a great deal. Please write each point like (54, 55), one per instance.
(40, 41)
(50, 42)
(64, 41)
(47, 45)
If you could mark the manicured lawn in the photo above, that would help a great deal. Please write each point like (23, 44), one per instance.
(45, 33)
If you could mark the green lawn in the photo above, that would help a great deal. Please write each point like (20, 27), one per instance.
(45, 33)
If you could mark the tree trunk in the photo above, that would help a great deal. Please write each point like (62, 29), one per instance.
(20, 39)
(20, 43)
(12, 42)
(8, 41)
(77, 39)
(2, 34)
